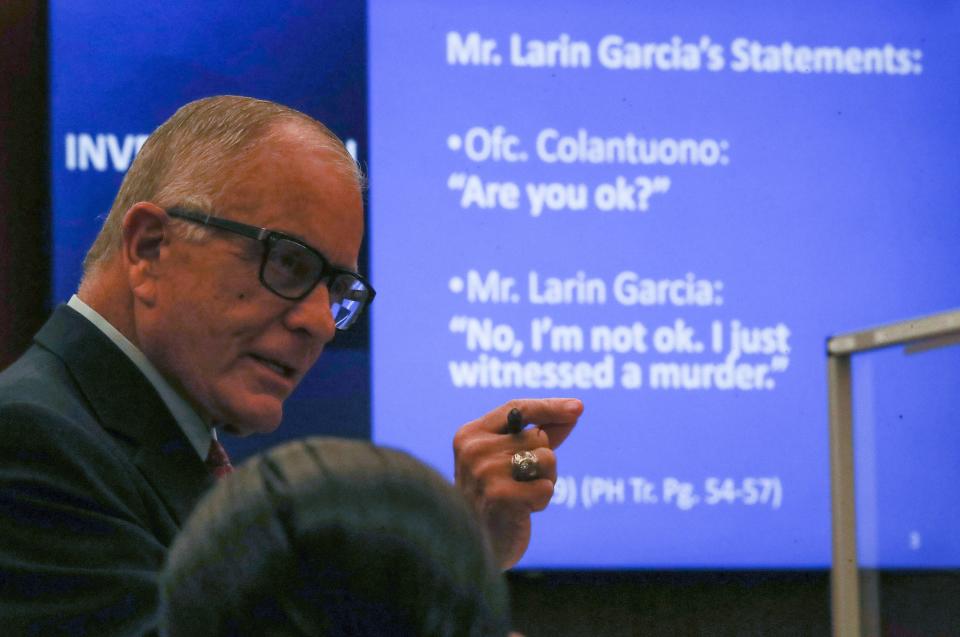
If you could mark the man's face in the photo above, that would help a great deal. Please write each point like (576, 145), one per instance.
(235, 349)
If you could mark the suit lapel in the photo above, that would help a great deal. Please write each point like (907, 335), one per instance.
(126, 404)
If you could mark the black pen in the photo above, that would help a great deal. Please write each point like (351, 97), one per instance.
(514, 421)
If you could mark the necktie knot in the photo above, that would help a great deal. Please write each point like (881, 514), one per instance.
(218, 462)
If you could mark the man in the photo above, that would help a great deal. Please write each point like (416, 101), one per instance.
(227, 262)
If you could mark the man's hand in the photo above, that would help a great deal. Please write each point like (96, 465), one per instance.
(482, 450)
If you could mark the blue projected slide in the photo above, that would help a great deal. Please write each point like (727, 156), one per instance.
(905, 413)
(664, 210)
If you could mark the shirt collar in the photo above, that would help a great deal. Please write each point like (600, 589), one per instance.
(194, 428)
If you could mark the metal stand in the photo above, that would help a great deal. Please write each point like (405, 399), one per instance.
(855, 599)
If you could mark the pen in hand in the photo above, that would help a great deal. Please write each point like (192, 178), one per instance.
(514, 421)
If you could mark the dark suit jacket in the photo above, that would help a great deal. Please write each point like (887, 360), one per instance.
(95, 480)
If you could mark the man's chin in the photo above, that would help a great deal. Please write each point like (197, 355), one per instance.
(242, 431)
(243, 424)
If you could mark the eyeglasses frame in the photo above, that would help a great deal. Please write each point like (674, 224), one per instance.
(266, 236)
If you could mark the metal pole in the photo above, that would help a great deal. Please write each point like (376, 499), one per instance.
(844, 585)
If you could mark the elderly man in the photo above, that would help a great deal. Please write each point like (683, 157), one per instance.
(227, 262)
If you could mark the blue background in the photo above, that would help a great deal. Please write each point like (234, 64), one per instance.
(837, 210)
(906, 439)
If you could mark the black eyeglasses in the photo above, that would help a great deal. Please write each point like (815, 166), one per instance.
(291, 269)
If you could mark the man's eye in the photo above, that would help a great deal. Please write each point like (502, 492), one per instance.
(290, 264)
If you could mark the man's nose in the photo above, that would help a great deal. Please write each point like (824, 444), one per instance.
(312, 314)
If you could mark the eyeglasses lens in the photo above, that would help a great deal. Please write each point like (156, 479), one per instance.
(291, 270)
(348, 295)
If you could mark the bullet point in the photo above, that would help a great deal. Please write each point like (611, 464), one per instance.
(456, 285)
(454, 142)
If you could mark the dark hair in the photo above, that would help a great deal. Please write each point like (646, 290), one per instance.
(332, 537)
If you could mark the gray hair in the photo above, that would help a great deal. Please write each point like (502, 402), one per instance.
(184, 160)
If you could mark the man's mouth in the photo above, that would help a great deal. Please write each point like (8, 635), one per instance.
(283, 370)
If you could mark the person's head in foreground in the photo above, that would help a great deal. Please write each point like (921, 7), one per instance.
(229, 257)
(332, 537)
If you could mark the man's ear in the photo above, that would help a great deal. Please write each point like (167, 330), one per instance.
(146, 231)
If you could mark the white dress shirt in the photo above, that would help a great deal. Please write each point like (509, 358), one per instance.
(198, 432)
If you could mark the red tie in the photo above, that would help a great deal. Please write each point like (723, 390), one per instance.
(218, 462)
